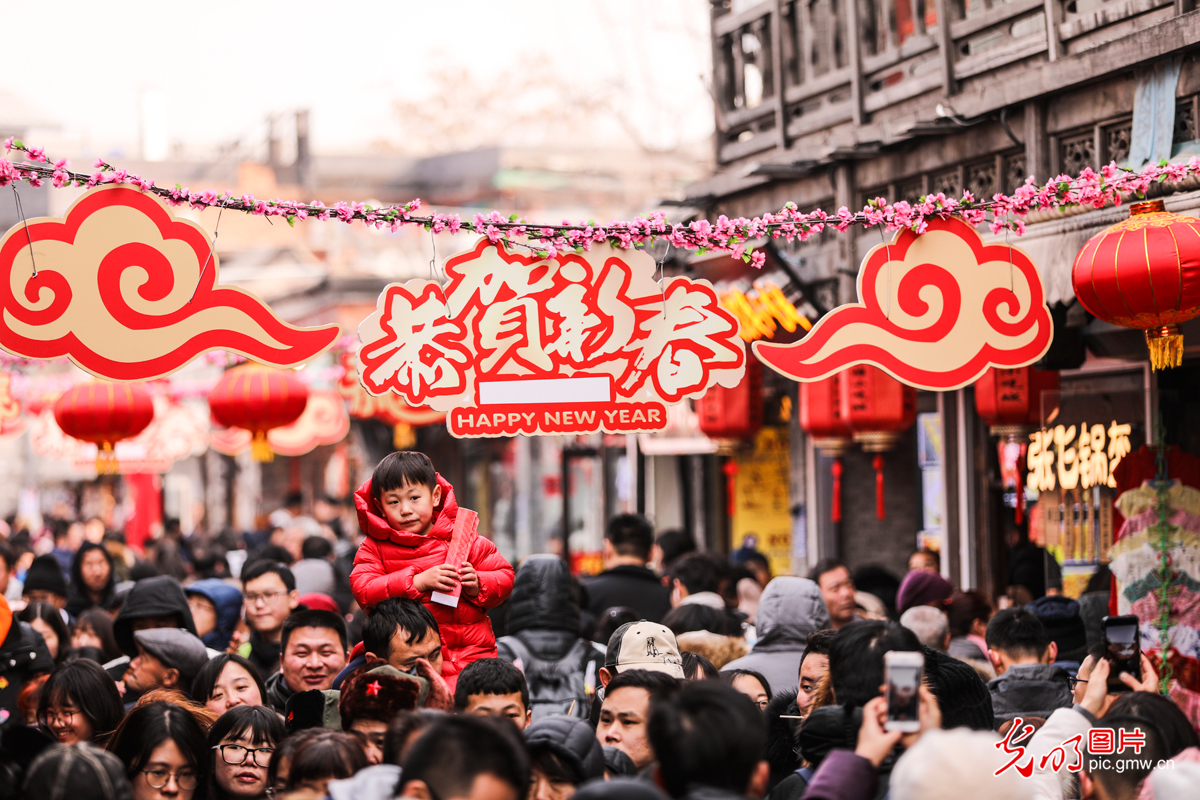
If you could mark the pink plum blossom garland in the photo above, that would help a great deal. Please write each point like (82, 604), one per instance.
(733, 236)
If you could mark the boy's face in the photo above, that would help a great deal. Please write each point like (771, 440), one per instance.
(501, 706)
(410, 508)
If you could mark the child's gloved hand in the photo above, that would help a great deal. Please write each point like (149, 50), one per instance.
(469, 580)
(441, 578)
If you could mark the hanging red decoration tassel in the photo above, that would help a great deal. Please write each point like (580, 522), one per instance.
(1020, 516)
(835, 505)
(731, 471)
(877, 463)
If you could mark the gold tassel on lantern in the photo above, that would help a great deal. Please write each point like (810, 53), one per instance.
(1166, 346)
(106, 460)
(403, 437)
(260, 448)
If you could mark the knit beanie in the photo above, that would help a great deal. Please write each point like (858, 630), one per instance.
(46, 575)
(921, 588)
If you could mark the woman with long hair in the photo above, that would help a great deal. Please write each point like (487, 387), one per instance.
(93, 580)
(94, 628)
(242, 742)
(46, 619)
(80, 703)
(226, 682)
(164, 752)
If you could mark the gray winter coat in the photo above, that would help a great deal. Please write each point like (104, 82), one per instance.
(788, 611)
(1029, 690)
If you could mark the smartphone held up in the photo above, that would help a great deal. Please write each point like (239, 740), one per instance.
(1122, 650)
(902, 673)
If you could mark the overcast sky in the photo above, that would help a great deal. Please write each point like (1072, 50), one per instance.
(224, 65)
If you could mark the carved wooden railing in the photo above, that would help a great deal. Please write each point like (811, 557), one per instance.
(785, 69)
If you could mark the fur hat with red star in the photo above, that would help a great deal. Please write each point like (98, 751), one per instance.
(380, 694)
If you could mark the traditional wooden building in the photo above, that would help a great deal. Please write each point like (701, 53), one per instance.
(828, 103)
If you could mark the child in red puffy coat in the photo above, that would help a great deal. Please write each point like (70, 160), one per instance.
(407, 512)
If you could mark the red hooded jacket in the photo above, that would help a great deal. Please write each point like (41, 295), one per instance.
(389, 559)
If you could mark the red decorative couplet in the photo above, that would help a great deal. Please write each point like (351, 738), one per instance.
(129, 292)
(573, 344)
(466, 523)
(936, 310)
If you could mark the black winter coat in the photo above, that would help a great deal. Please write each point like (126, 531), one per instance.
(23, 654)
(636, 587)
(543, 627)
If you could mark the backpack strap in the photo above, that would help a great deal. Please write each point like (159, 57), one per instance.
(519, 650)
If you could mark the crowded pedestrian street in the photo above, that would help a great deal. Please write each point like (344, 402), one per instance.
(675, 400)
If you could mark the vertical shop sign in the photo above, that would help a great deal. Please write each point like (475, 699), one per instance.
(761, 500)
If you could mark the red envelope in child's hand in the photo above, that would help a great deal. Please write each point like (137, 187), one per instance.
(466, 523)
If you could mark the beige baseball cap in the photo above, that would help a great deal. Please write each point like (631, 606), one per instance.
(644, 645)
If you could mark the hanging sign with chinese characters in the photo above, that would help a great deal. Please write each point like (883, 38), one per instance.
(1070, 456)
(935, 310)
(573, 344)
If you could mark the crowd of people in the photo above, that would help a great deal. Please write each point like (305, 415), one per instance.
(412, 661)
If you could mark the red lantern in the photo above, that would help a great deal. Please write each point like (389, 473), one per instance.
(735, 413)
(879, 409)
(1144, 273)
(104, 413)
(821, 419)
(258, 398)
(1009, 400)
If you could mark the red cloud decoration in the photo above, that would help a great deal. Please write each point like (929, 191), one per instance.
(121, 288)
(937, 309)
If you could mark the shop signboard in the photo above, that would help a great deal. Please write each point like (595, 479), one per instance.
(1087, 429)
(572, 344)
(762, 310)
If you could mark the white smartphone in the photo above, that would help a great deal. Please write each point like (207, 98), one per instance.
(902, 672)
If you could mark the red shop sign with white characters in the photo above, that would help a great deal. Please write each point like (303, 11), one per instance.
(129, 292)
(935, 311)
(579, 343)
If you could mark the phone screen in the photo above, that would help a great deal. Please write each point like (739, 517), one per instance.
(903, 701)
(1124, 653)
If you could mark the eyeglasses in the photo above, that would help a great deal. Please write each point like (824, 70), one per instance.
(62, 717)
(158, 778)
(236, 754)
(1075, 681)
(265, 597)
